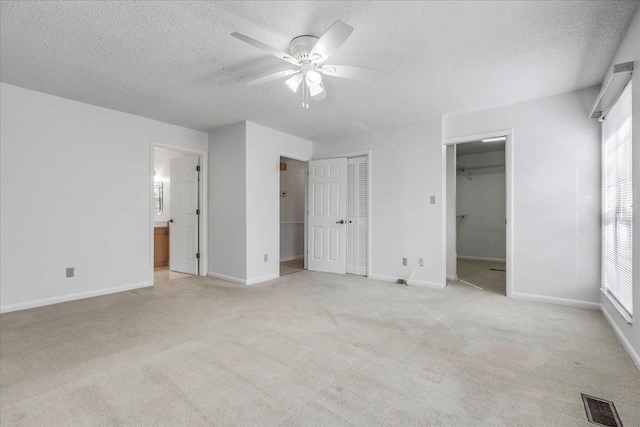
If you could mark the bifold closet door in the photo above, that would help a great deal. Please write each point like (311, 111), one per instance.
(357, 215)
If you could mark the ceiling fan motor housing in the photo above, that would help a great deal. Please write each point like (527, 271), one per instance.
(301, 46)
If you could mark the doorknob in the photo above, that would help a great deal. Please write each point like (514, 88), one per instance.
(340, 222)
(171, 220)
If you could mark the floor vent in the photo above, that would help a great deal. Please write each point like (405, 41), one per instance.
(497, 269)
(601, 412)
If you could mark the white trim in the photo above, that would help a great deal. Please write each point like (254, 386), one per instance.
(72, 297)
(291, 258)
(280, 224)
(475, 137)
(553, 300)
(419, 283)
(452, 277)
(366, 153)
(509, 133)
(621, 311)
(263, 279)
(243, 281)
(623, 340)
(227, 278)
(480, 258)
(443, 201)
(203, 198)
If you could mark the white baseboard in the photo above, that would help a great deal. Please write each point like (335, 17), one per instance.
(479, 258)
(554, 300)
(623, 340)
(262, 279)
(227, 278)
(244, 281)
(450, 277)
(414, 282)
(291, 258)
(72, 297)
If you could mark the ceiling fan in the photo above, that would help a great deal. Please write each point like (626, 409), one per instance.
(308, 53)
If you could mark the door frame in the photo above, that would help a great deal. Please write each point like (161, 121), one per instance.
(203, 235)
(363, 153)
(508, 157)
(306, 160)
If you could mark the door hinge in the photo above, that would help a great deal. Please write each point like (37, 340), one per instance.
(197, 211)
(198, 255)
(198, 168)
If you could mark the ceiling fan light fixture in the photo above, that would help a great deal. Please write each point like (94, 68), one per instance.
(294, 82)
(313, 78)
(316, 89)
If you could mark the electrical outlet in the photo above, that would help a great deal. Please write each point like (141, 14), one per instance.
(433, 200)
(421, 262)
(70, 271)
(266, 257)
(404, 262)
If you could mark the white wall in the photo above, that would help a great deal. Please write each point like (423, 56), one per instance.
(292, 209)
(162, 167)
(556, 192)
(75, 192)
(264, 148)
(482, 232)
(630, 334)
(227, 202)
(406, 168)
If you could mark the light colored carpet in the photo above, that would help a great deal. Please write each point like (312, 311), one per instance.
(480, 274)
(163, 274)
(309, 349)
(292, 266)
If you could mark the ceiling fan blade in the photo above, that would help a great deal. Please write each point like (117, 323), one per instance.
(265, 47)
(271, 77)
(330, 41)
(349, 72)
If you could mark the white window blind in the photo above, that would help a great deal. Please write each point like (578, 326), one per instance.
(617, 202)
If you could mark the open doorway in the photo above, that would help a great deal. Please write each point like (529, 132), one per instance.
(477, 205)
(176, 211)
(292, 213)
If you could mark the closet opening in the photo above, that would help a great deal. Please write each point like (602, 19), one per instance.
(477, 212)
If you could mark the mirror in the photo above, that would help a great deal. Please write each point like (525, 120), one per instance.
(157, 192)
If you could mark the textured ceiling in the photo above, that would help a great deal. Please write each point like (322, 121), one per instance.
(176, 62)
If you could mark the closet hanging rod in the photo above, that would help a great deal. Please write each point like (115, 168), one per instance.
(481, 167)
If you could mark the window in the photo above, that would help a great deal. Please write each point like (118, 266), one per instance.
(617, 203)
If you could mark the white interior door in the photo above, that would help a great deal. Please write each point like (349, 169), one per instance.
(357, 204)
(184, 218)
(327, 235)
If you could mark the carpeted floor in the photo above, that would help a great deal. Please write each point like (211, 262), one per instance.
(480, 273)
(292, 266)
(309, 349)
(163, 274)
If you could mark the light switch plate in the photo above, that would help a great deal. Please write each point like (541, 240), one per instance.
(266, 257)
(404, 262)
(433, 200)
(70, 271)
